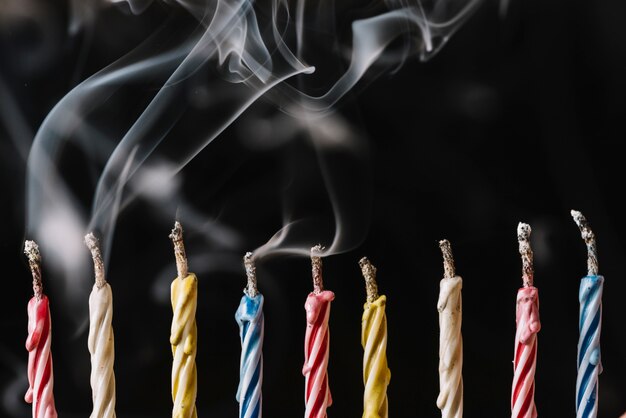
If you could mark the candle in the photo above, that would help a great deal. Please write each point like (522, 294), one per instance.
(317, 393)
(450, 399)
(376, 374)
(40, 375)
(590, 323)
(249, 316)
(184, 333)
(527, 319)
(100, 341)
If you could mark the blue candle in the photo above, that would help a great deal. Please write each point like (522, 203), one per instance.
(249, 316)
(590, 323)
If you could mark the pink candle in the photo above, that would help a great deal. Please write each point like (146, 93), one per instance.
(40, 376)
(527, 320)
(317, 393)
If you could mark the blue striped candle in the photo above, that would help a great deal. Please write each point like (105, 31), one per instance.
(249, 316)
(589, 364)
(590, 323)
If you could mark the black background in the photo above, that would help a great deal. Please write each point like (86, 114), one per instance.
(518, 118)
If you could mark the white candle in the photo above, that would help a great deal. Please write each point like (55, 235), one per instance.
(100, 341)
(450, 399)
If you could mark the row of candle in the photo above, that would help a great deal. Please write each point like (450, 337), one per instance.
(249, 316)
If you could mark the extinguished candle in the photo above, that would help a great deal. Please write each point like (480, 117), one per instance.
(449, 305)
(590, 323)
(249, 316)
(184, 333)
(38, 343)
(527, 319)
(317, 393)
(100, 341)
(376, 374)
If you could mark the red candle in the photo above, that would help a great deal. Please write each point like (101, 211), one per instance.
(40, 376)
(317, 393)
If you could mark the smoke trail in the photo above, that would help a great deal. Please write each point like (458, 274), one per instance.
(237, 52)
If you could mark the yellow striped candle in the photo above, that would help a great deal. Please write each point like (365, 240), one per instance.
(184, 333)
(376, 374)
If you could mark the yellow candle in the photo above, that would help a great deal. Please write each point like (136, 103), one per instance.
(376, 374)
(184, 333)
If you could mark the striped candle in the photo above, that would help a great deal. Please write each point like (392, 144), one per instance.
(40, 375)
(527, 319)
(100, 341)
(184, 333)
(590, 323)
(249, 316)
(317, 393)
(376, 374)
(449, 305)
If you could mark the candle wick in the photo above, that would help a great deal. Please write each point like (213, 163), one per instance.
(179, 250)
(590, 240)
(369, 274)
(523, 237)
(251, 289)
(98, 265)
(31, 249)
(316, 267)
(448, 261)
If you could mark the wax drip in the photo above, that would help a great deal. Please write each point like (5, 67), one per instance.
(448, 261)
(316, 267)
(251, 289)
(98, 265)
(523, 237)
(369, 274)
(179, 250)
(590, 239)
(31, 249)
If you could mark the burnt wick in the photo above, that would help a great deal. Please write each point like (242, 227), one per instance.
(590, 240)
(179, 250)
(448, 261)
(98, 265)
(369, 274)
(523, 237)
(316, 269)
(31, 249)
(251, 289)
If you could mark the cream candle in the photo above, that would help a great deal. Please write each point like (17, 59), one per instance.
(449, 305)
(100, 341)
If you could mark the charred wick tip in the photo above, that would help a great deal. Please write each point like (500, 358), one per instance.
(31, 249)
(448, 260)
(316, 267)
(251, 289)
(590, 240)
(369, 274)
(526, 252)
(179, 250)
(98, 265)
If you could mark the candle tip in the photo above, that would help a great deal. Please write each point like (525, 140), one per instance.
(251, 290)
(179, 250)
(316, 266)
(448, 260)
(31, 249)
(523, 237)
(590, 240)
(94, 247)
(369, 274)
